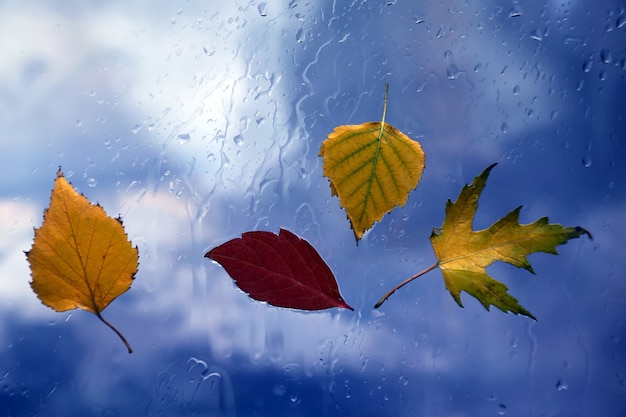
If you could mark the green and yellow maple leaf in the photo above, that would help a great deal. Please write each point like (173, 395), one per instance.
(372, 168)
(463, 254)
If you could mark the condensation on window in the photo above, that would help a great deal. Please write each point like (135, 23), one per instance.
(197, 122)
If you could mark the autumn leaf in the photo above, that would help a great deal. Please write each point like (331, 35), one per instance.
(464, 254)
(372, 168)
(283, 270)
(80, 258)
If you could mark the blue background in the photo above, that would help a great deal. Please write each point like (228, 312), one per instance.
(197, 122)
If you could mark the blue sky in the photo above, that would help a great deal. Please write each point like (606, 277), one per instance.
(197, 123)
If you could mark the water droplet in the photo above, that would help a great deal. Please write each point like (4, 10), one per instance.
(262, 8)
(605, 56)
(502, 409)
(136, 129)
(453, 72)
(536, 35)
(515, 11)
(516, 89)
(344, 38)
(477, 67)
(292, 370)
(92, 182)
(279, 390)
(447, 54)
(184, 138)
(300, 35)
(376, 313)
(587, 161)
(561, 385)
(238, 140)
(208, 52)
(79, 123)
(504, 127)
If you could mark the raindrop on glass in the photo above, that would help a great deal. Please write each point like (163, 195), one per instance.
(238, 140)
(515, 11)
(262, 8)
(279, 390)
(561, 385)
(92, 182)
(300, 35)
(453, 72)
(184, 138)
(136, 129)
(536, 35)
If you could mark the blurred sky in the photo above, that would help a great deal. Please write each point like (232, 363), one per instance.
(198, 121)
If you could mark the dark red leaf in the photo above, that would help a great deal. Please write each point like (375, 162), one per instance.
(283, 270)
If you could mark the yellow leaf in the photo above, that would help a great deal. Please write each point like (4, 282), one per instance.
(80, 258)
(372, 168)
(464, 254)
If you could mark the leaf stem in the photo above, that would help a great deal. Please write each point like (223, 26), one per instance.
(403, 283)
(382, 123)
(130, 350)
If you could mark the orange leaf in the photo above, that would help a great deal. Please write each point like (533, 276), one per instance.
(80, 258)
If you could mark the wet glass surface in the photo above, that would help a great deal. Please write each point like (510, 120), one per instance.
(197, 122)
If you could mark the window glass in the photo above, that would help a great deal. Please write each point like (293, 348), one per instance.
(198, 121)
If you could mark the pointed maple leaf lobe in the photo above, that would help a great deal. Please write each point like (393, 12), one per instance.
(463, 254)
